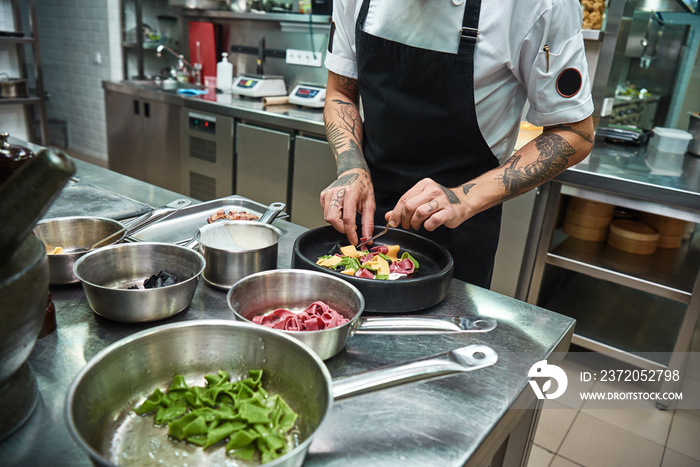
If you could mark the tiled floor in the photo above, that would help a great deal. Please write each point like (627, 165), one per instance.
(575, 433)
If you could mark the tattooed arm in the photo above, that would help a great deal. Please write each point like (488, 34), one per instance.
(352, 192)
(556, 149)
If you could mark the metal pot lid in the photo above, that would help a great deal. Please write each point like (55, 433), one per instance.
(13, 151)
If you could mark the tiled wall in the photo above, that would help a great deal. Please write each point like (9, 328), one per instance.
(75, 52)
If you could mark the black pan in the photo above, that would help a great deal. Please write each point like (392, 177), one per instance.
(426, 287)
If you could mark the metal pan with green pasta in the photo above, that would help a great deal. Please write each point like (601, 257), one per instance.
(252, 423)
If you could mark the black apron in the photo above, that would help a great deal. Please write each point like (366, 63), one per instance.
(420, 121)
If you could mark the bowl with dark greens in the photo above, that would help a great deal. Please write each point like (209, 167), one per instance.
(139, 282)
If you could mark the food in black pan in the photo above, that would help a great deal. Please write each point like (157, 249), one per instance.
(379, 262)
(252, 422)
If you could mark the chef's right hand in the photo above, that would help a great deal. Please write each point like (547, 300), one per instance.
(351, 193)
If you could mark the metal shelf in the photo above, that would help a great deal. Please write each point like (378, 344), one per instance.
(669, 273)
(20, 41)
(282, 17)
(16, 40)
(20, 100)
(146, 45)
(640, 328)
(136, 45)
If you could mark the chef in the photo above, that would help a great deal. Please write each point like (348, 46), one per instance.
(423, 107)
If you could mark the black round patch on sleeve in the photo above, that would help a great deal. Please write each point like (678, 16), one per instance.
(569, 82)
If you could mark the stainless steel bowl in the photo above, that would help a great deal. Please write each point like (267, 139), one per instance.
(296, 289)
(107, 273)
(72, 233)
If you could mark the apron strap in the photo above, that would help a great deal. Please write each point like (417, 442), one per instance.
(470, 28)
(363, 14)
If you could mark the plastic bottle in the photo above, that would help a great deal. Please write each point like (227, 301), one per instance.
(224, 73)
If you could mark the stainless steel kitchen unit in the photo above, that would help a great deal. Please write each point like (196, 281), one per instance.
(262, 163)
(143, 136)
(208, 169)
(314, 170)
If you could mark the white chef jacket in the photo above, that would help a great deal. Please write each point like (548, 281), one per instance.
(510, 64)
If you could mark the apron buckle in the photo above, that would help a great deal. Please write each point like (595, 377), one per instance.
(468, 34)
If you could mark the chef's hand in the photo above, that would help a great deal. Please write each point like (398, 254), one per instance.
(430, 204)
(351, 193)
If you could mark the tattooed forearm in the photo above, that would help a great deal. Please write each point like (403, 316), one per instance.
(345, 180)
(349, 117)
(553, 158)
(350, 159)
(348, 84)
(336, 137)
(451, 196)
(466, 187)
(583, 135)
(344, 132)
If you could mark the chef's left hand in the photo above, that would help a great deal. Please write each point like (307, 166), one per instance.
(430, 204)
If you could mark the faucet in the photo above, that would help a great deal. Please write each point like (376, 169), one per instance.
(182, 64)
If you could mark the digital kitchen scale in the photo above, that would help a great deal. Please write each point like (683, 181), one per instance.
(308, 95)
(259, 86)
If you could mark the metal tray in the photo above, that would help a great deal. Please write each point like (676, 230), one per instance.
(184, 224)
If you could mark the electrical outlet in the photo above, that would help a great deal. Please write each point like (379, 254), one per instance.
(304, 57)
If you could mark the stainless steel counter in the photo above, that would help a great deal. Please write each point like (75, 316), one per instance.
(291, 117)
(471, 419)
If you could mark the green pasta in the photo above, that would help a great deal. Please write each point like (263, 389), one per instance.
(242, 412)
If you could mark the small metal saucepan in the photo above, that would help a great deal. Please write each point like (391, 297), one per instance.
(78, 234)
(107, 273)
(12, 87)
(100, 399)
(296, 289)
(236, 249)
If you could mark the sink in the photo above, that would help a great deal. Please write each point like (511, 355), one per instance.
(156, 85)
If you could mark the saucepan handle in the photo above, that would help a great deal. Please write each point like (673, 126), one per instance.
(156, 215)
(461, 360)
(425, 325)
(273, 210)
